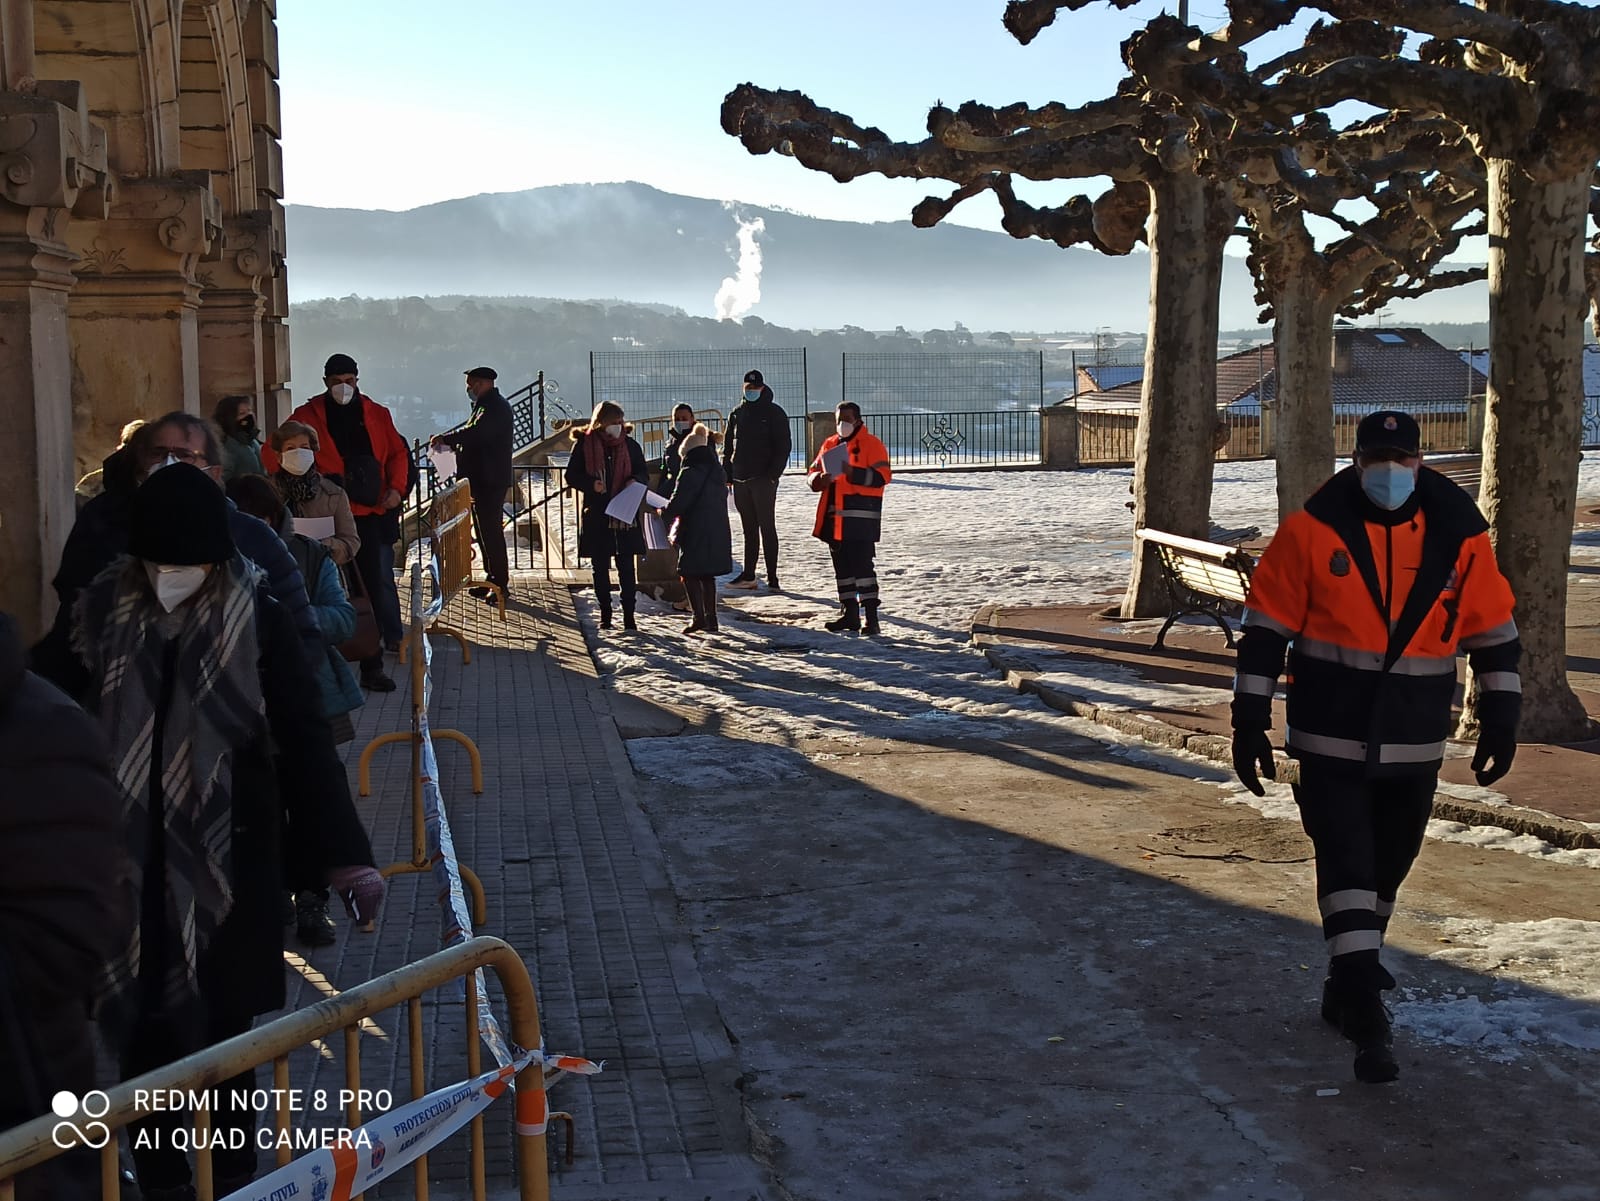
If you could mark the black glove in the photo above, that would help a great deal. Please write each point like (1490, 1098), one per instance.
(1497, 747)
(1252, 749)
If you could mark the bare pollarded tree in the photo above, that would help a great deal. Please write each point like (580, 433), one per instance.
(1521, 80)
(1156, 196)
(1419, 214)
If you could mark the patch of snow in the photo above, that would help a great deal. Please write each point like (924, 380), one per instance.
(1496, 839)
(1550, 976)
(952, 543)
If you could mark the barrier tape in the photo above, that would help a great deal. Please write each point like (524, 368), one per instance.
(371, 1153)
(456, 919)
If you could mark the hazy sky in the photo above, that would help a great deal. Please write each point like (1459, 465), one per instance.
(398, 103)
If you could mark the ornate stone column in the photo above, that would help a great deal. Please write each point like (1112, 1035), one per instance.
(134, 310)
(52, 161)
(232, 306)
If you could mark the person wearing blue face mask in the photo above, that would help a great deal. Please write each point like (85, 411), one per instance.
(755, 450)
(1370, 591)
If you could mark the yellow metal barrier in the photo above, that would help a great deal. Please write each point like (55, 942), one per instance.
(419, 686)
(450, 521)
(651, 432)
(33, 1143)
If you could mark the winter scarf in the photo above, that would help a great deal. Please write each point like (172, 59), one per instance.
(298, 490)
(597, 448)
(213, 704)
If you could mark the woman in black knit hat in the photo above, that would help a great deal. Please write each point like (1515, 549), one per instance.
(198, 680)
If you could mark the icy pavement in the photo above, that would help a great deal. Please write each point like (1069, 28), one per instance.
(776, 700)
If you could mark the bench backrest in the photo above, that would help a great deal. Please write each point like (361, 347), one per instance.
(1465, 471)
(1208, 568)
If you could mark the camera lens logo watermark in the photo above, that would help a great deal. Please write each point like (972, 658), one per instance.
(90, 1133)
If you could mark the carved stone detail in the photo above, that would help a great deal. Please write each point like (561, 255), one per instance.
(49, 150)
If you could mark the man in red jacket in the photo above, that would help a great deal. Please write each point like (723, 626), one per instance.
(361, 449)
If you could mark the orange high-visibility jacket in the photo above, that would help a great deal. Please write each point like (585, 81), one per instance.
(1372, 613)
(850, 507)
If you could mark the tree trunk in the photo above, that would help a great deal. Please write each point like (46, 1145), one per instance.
(1302, 417)
(1189, 224)
(1532, 434)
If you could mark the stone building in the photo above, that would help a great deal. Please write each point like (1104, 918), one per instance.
(141, 242)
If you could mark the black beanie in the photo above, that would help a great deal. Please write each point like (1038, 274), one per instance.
(179, 517)
(340, 364)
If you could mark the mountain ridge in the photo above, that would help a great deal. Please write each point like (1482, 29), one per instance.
(640, 244)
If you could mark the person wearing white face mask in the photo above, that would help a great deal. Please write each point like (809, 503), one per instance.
(672, 454)
(1369, 592)
(850, 516)
(194, 673)
(360, 448)
(483, 459)
(310, 494)
(605, 460)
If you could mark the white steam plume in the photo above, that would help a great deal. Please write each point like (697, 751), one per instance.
(741, 291)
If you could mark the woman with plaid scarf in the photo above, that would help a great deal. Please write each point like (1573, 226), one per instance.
(200, 683)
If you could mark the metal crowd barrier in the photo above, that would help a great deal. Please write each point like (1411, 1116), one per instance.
(42, 1139)
(415, 653)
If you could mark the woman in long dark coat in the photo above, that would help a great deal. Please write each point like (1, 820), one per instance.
(605, 460)
(704, 540)
(203, 691)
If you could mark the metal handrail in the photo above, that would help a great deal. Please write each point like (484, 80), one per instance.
(32, 1143)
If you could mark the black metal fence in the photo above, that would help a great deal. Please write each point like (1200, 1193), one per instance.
(945, 382)
(971, 439)
(951, 408)
(651, 383)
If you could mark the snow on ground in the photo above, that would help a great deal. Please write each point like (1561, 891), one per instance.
(1549, 990)
(955, 542)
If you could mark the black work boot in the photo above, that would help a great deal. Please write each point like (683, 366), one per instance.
(697, 604)
(312, 925)
(708, 601)
(848, 621)
(1358, 1012)
(872, 629)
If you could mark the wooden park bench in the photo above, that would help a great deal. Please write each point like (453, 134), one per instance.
(1465, 471)
(1205, 579)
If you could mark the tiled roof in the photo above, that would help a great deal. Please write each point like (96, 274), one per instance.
(1388, 369)
(1591, 366)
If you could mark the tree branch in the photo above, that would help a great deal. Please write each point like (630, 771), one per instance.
(833, 143)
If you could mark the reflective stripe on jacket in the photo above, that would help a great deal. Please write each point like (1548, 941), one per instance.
(850, 508)
(1373, 614)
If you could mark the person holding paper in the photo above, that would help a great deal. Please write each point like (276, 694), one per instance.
(605, 462)
(311, 497)
(483, 455)
(704, 538)
(850, 473)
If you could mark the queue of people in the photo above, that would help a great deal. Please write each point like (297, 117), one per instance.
(849, 475)
(184, 710)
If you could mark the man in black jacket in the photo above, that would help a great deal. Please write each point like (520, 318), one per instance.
(483, 449)
(755, 451)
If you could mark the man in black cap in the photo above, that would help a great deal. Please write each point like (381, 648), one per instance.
(755, 450)
(359, 448)
(483, 456)
(1370, 591)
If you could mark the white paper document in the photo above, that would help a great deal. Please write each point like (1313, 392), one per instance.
(315, 528)
(655, 501)
(624, 505)
(655, 532)
(444, 462)
(835, 459)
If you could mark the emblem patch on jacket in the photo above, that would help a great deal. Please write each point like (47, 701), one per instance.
(1339, 564)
